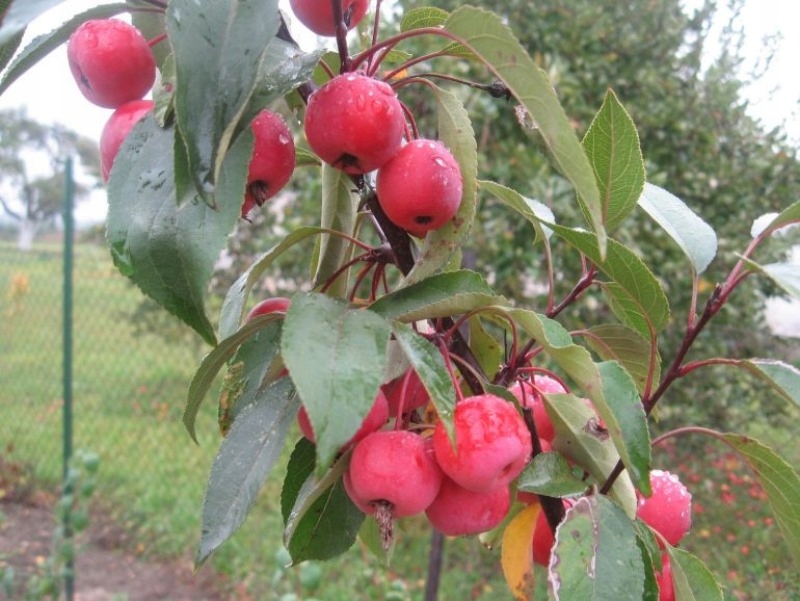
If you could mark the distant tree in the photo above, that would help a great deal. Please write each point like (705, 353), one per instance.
(32, 156)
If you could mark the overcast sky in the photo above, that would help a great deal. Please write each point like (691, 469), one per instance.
(50, 94)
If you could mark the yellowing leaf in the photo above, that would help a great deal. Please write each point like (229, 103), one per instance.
(517, 553)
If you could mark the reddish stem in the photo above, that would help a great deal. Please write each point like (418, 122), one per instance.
(157, 39)
(341, 37)
(587, 279)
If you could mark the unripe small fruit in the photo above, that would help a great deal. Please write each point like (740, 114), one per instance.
(420, 188)
(492, 443)
(393, 468)
(668, 510)
(111, 62)
(354, 123)
(374, 419)
(272, 162)
(117, 128)
(457, 511)
(317, 15)
(528, 394)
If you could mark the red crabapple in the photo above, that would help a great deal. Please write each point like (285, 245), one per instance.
(544, 538)
(376, 417)
(668, 510)
(492, 443)
(420, 188)
(276, 304)
(529, 395)
(457, 511)
(416, 395)
(317, 15)
(111, 62)
(666, 587)
(354, 123)
(394, 469)
(272, 162)
(117, 128)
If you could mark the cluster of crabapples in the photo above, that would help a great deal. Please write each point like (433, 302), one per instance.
(402, 462)
(114, 67)
(354, 122)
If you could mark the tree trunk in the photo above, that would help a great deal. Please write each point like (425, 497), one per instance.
(27, 231)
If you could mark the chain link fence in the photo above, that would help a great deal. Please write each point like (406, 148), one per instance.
(132, 365)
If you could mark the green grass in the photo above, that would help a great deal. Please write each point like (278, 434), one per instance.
(129, 394)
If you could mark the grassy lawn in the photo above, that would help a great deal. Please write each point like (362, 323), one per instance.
(129, 392)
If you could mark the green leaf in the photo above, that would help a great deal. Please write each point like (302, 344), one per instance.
(327, 528)
(233, 307)
(691, 579)
(579, 438)
(44, 44)
(782, 377)
(282, 69)
(621, 409)
(336, 356)
(489, 353)
(419, 18)
(151, 23)
(634, 284)
(339, 207)
(218, 49)
(614, 395)
(781, 483)
(210, 366)
(249, 370)
(549, 474)
(596, 557)
(786, 275)
(623, 344)
(484, 33)
(298, 470)
(8, 50)
(694, 236)
(651, 558)
(612, 145)
(440, 295)
(19, 15)
(245, 459)
(168, 246)
(789, 215)
(427, 361)
(532, 210)
(455, 131)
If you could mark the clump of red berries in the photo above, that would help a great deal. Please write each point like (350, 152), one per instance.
(462, 486)
(114, 67)
(357, 124)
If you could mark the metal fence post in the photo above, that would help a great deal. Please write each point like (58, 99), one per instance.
(69, 227)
